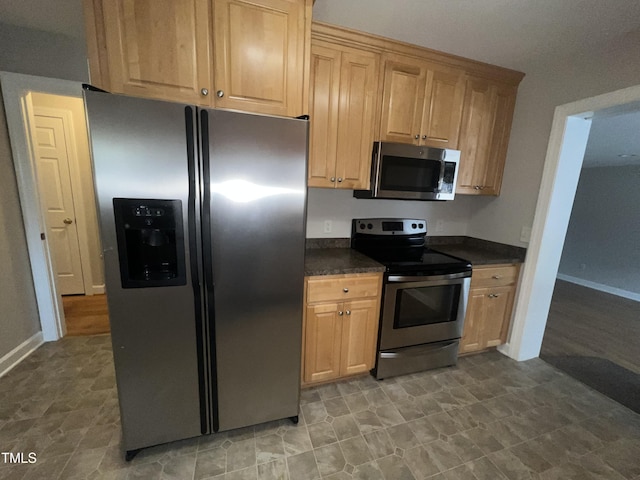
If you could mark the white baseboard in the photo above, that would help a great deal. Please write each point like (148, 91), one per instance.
(98, 289)
(599, 286)
(15, 356)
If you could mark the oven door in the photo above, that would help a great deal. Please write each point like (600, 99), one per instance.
(420, 309)
(407, 171)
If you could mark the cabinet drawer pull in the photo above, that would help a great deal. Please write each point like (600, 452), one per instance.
(345, 290)
(497, 277)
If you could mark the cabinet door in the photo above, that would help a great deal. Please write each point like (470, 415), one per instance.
(158, 48)
(487, 319)
(402, 99)
(503, 102)
(477, 120)
(356, 118)
(359, 335)
(499, 305)
(324, 96)
(323, 333)
(442, 107)
(471, 340)
(259, 55)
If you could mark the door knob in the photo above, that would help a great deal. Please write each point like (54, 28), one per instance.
(68, 221)
(220, 93)
(204, 92)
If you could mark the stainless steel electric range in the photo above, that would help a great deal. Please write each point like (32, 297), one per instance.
(424, 296)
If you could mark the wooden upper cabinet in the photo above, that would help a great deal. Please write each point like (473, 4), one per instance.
(236, 54)
(259, 55)
(422, 102)
(157, 48)
(342, 104)
(484, 136)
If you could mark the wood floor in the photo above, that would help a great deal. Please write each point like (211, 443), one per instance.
(86, 314)
(587, 322)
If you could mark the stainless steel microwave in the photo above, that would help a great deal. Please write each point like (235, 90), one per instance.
(409, 172)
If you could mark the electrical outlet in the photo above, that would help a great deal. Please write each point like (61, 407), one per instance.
(439, 225)
(328, 226)
(525, 234)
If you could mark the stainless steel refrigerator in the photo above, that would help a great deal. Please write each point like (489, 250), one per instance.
(202, 218)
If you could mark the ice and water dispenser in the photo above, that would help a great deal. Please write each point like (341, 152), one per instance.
(150, 242)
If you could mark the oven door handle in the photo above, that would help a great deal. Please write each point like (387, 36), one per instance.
(426, 278)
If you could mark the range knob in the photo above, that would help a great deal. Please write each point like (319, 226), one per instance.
(413, 225)
(369, 226)
(420, 225)
(362, 226)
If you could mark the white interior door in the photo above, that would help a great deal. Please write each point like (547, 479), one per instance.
(51, 144)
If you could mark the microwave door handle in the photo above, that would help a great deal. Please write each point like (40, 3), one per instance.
(441, 178)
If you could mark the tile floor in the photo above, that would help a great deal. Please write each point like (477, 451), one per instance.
(489, 418)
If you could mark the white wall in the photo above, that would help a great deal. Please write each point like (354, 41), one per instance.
(34, 52)
(602, 243)
(340, 208)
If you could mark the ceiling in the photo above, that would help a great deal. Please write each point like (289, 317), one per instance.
(518, 34)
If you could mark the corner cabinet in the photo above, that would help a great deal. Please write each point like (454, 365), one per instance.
(491, 297)
(421, 102)
(340, 326)
(342, 105)
(233, 54)
(484, 135)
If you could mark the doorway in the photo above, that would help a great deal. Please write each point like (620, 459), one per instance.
(51, 156)
(565, 152)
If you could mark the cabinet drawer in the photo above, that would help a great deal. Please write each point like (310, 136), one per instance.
(494, 275)
(322, 289)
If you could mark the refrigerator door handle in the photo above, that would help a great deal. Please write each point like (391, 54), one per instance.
(195, 249)
(207, 259)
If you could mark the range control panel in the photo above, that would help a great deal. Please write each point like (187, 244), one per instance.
(390, 226)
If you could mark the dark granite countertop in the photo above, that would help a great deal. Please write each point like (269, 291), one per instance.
(477, 251)
(333, 256)
(334, 261)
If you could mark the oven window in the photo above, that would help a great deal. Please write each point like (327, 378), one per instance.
(409, 174)
(426, 305)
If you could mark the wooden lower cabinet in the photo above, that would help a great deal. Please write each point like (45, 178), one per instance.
(489, 308)
(340, 336)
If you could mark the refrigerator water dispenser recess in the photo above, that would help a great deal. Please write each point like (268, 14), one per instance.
(150, 242)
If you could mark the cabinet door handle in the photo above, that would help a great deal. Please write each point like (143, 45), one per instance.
(417, 137)
(339, 179)
(345, 290)
(204, 91)
(333, 179)
(340, 313)
(497, 277)
(348, 312)
(493, 295)
(476, 187)
(424, 137)
(67, 221)
(220, 93)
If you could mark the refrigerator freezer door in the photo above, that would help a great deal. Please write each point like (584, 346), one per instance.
(139, 150)
(257, 210)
